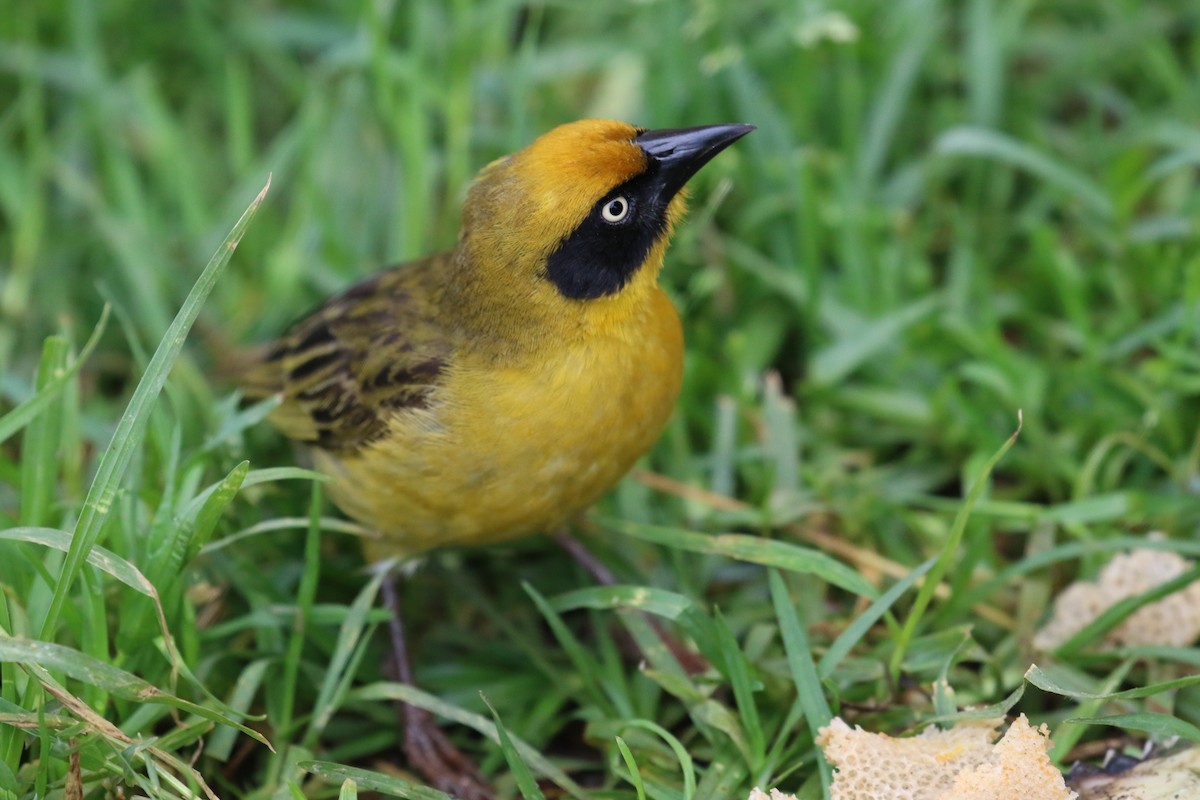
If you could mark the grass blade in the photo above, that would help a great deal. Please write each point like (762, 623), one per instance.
(40, 443)
(1048, 680)
(520, 771)
(737, 670)
(948, 552)
(127, 437)
(350, 635)
(589, 672)
(800, 663)
(1119, 611)
(686, 764)
(1160, 726)
(414, 696)
(755, 549)
(643, 598)
(635, 775)
(856, 630)
(970, 141)
(20, 416)
(94, 672)
(833, 364)
(373, 781)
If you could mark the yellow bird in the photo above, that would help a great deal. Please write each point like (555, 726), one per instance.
(499, 388)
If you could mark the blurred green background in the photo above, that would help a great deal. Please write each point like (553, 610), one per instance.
(950, 211)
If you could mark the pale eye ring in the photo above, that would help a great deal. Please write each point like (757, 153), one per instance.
(615, 210)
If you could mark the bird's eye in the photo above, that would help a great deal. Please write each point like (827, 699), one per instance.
(615, 210)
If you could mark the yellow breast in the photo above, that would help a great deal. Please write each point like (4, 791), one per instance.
(504, 451)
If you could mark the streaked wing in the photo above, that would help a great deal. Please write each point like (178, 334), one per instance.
(364, 355)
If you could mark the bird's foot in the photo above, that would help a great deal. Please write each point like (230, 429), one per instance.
(442, 764)
(427, 749)
(445, 767)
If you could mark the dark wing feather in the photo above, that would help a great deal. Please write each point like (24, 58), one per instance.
(350, 365)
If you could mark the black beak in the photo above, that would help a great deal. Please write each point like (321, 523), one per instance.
(676, 154)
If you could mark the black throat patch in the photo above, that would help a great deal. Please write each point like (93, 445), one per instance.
(599, 257)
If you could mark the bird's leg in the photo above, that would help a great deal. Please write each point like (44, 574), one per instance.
(691, 662)
(603, 575)
(425, 746)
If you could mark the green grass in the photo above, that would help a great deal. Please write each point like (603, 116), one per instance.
(951, 213)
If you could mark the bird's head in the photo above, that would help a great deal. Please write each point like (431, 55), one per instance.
(583, 214)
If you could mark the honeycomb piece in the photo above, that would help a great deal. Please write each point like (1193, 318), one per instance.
(1173, 620)
(1017, 768)
(960, 763)
(759, 794)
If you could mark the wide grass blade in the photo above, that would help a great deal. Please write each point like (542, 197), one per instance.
(373, 781)
(865, 340)
(755, 549)
(1161, 726)
(660, 602)
(99, 557)
(984, 143)
(101, 674)
(1050, 679)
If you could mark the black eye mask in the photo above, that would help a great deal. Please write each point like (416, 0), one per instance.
(599, 257)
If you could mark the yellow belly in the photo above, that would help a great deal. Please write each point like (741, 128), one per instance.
(504, 453)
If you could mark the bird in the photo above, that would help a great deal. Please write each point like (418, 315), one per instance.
(499, 388)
